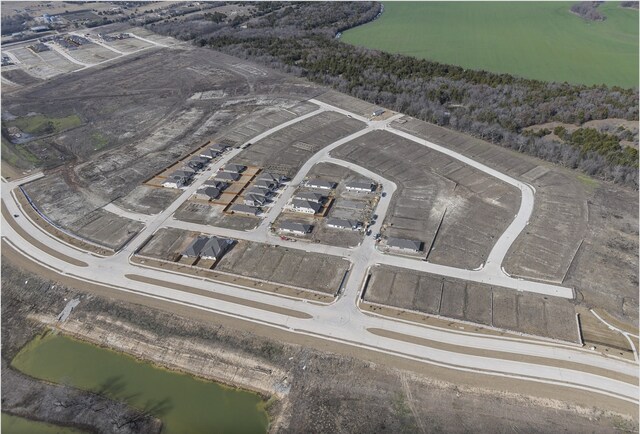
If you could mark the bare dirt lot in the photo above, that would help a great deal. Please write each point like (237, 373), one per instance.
(473, 207)
(138, 116)
(275, 264)
(583, 232)
(286, 150)
(474, 302)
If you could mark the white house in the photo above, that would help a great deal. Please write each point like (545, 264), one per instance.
(320, 184)
(305, 206)
(361, 186)
(295, 228)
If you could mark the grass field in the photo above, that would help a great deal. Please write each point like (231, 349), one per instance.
(39, 124)
(540, 40)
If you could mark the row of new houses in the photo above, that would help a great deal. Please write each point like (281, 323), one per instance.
(182, 177)
(258, 193)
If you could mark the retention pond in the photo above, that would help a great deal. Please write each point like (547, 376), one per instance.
(184, 403)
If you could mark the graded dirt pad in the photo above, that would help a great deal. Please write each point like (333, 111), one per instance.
(431, 187)
(208, 214)
(483, 304)
(286, 150)
(569, 208)
(274, 113)
(20, 77)
(167, 243)
(148, 200)
(347, 102)
(73, 211)
(275, 264)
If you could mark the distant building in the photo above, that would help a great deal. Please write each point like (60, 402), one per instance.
(377, 112)
(404, 244)
(257, 191)
(272, 177)
(210, 154)
(361, 186)
(234, 168)
(219, 147)
(321, 184)
(310, 196)
(254, 200)
(244, 209)
(215, 184)
(174, 182)
(305, 206)
(211, 192)
(295, 228)
(226, 177)
(266, 184)
(343, 223)
(208, 247)
(38, 29)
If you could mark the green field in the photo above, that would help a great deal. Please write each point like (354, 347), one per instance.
(540, 40)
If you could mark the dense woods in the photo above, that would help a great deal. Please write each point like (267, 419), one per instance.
(300, 38)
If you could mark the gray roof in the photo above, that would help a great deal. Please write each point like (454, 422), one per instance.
(402, 243)
(364, 185)
(264, 183)
(320, 183)
(203, 160)
(342, 223)
(234, 168)
(295, 227)
(273, 177)
(310, 196)
(209, 153)
(212, 192)
(215, 247)
(210, 247)
(219, 147)
(297, 203)
(194, 249)
(183, 173)
(213, 183)
(256, 191)
(226, 176)
(254, 199)
(244, 209)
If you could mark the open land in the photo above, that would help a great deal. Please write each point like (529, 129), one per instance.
(172, 101)
(455, 210)
(543, 41)
(473, 302)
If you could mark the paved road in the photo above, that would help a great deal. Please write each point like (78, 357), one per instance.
(341, 321)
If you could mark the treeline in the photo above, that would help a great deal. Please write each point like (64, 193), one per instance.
(300, 39)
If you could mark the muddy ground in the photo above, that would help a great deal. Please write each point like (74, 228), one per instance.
(319, 391)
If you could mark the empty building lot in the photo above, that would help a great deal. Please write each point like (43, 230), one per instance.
(167, 244)
(73, 211)
(283, 266)
(349, 103)
(473, 302)
(458, 212)
(214, 215)
(244, 129)
(149, 200)
(286, 150)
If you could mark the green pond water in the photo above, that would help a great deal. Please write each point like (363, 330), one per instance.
(184, 403)
(18, 425)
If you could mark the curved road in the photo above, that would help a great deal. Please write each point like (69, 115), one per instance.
(342, 321)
